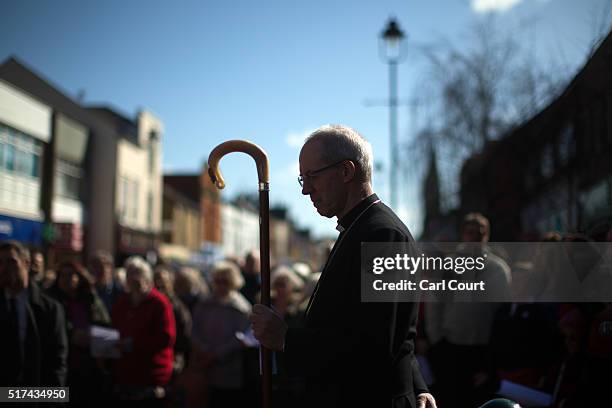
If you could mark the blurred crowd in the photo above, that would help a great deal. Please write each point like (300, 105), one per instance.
(182, 335)
(559, 354)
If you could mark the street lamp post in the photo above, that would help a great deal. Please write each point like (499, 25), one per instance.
(392, 37)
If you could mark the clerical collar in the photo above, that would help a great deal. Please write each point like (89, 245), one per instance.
(348, 219)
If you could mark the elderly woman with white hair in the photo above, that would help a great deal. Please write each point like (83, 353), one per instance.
(216, 349)
(189, 286)
(145, 321)
(285, 285)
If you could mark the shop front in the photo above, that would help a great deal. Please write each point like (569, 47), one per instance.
(28, 232)
(134, 242)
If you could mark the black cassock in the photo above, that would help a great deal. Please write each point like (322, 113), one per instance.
(355, 353)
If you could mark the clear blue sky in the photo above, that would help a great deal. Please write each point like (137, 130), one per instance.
(266, 71)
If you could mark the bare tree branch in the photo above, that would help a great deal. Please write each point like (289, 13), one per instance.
(476, 94)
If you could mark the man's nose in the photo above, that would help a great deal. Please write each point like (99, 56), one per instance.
(306, 188)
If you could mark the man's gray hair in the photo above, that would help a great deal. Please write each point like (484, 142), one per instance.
(138, 263)
(103, 256)
(342, 142)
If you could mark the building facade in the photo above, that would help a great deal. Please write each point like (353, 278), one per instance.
(198, 188)
(239, 230)
(552, 173)
(181, 233)
(126, 196)
(25, 130)
(45, 138)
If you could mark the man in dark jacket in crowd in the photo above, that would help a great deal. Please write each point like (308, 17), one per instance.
(37, 265)
(33, 347)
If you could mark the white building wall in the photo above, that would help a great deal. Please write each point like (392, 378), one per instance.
(139, 183)
(239, 230)
(20, 197)
(131, 178)
(21, 111)
(150, 134)
(20, 192)
(67, 210)
(282, 236)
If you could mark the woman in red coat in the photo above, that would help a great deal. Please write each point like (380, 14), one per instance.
(145, 321)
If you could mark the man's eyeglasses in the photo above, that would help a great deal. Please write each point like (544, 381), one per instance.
(310, 174)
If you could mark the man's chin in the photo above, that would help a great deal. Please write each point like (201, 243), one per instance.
(324, 213)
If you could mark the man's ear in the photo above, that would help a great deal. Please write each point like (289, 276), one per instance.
(349, 171)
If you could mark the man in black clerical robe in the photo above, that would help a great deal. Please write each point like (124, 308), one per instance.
(352, 353)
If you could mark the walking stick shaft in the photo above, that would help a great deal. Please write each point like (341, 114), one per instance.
(261, 160)
(264, 245)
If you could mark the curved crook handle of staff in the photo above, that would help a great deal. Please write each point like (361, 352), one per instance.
(256, 152)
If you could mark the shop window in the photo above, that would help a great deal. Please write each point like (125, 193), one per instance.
(128, 199)
(68, 179)
(9, 164)
(19, 153)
